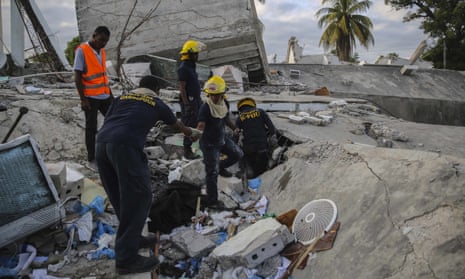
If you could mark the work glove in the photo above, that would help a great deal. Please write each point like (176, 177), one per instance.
(196, 134)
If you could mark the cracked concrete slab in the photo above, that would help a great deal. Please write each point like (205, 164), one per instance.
(379, 192)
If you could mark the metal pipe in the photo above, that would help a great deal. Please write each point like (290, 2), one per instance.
(22, 111)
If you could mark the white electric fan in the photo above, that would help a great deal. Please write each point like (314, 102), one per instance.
(313, 220)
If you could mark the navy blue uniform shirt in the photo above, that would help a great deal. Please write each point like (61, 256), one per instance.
(187, 73)
(214, 132)
(131, 117)
(256, 125)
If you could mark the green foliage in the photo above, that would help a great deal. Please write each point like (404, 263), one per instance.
(343, 26)
(70, 48)
(455, 56)
(443, 20)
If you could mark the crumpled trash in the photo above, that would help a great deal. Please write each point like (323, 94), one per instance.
(105, 240)
(98, 205)
(262, 205)
(222, 237)
(174, 175)
(255, 183)
(105, 253)
(101, 230)
(33, 89)
(84, 227)
(58, 266)
(23, 261)
(78, 207)
(282, 269)
(42, 274)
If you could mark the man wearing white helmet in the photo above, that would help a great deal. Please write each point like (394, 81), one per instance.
(189, 88)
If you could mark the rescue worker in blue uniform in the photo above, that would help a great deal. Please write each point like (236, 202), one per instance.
(189, 90)
(123, 168)
(213, 116)
(256, 128)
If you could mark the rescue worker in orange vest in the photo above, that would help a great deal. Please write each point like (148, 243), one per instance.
(92, 84)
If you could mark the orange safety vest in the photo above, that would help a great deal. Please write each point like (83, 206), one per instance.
(95, 80)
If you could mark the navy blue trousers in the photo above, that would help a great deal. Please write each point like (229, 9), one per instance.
(126, 176)
(189, 117)
(91, 115)
(211, 159)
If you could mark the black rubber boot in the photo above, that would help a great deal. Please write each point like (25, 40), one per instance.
(188, 154)
(139, 265)
(225, 173)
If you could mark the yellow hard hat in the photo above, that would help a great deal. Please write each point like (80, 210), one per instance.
(247, 101)
(215, 85)
(191, 46)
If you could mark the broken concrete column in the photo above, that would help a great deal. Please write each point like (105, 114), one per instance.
(408, 69)
(74, 184)
(253, 245)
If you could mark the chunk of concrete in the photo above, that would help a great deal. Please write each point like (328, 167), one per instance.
(193, 244)
(193, 172)
(57, 172)
(296, 119)
(154, 152)
(254, 244)
(230, 185)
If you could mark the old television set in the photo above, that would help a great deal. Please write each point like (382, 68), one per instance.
(29, 201)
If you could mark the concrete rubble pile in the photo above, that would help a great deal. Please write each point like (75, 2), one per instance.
(396, 188)
(89, 226)
(87, 230)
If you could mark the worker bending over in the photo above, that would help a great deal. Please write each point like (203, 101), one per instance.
(256, 128)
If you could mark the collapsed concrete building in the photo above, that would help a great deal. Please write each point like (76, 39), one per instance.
(401, 210)
(230, 29)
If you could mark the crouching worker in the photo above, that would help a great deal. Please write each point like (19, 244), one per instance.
(256, 128)
(123, 168)
(213, 116)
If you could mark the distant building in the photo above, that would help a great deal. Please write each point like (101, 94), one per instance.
(382, 60)
(394, 59)
(294, 55)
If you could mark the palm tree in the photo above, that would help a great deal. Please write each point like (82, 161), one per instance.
(343, 25)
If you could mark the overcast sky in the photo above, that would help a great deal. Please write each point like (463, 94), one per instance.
(282, 19)
(286, 18)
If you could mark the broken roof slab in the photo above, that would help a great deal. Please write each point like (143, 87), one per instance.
(230, 29)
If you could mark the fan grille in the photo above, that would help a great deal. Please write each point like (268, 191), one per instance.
(313, 220)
